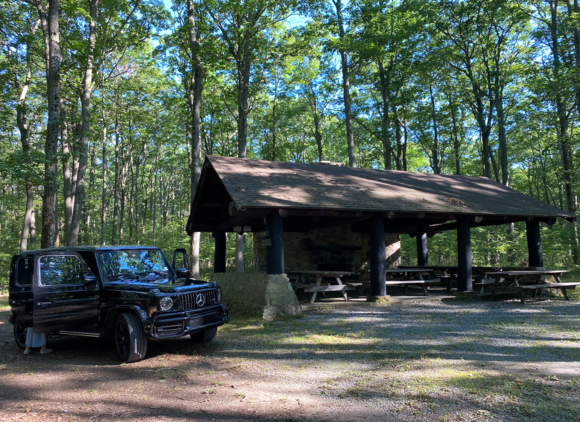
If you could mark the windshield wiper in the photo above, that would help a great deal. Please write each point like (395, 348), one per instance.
(124, 277)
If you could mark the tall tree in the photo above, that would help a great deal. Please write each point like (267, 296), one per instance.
(51, 31)
(344, 65)
(242, 27)
(194, 92)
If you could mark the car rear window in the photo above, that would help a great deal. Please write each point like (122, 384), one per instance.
(61, 270)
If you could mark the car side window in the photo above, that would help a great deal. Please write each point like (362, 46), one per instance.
(24, 268)
(61, 270)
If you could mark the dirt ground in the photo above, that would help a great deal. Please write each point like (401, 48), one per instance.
(436, 361)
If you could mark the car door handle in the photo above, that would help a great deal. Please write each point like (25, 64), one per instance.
(43, 303)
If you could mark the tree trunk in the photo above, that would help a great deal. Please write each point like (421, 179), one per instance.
(66, 174)
(406, 136)
(104, 190)
(455, 134)
(243, 111)
(86, 126)
(28, 217)
(194, 258)
(153, 201)
(135, 202)
(116, 185)
(56, 224)
(51, 32)
(345, 86)
(239, 253)
(494, 165)
(274, 112)
(195, 92)
(435, 150)
(385, 78)
(318, 136)
(398, 136)
(563, 121)
(244, 67)
(22, 123)
(131, 197)
(501, 135)
(574, 14)
(563, 125)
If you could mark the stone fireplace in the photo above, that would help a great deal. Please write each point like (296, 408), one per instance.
(335, 248)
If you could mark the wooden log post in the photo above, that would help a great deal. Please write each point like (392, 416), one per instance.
(422, 252)
(219, 260)
(378, 255)
(275, 249)
(536, 257)
(464, 277)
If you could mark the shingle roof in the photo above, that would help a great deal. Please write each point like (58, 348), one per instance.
(259, 184)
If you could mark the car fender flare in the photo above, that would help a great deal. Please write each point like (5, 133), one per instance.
(114, 313)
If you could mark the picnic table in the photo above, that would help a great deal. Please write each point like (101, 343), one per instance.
(301, 280)
(403, 276)
(445, 273)
(521, 281)
(448, 273)
(410, 276)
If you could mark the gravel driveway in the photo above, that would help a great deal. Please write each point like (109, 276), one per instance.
(435, 361)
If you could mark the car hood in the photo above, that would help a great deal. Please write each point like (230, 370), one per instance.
(164, 285)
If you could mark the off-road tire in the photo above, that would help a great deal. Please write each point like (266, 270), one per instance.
(19, 333)
(130, 340)
(204, 336)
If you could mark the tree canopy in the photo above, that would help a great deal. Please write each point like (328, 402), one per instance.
(108, 108)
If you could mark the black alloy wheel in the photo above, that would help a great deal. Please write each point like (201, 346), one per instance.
(204, 336)
(19, 333)
(130, 339)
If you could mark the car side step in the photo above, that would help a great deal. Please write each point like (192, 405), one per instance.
(80, 333)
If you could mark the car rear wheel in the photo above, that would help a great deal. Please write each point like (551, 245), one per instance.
(130, 339)
(207, 335)
(19, 333)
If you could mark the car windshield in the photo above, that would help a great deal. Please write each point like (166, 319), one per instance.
(134, 264)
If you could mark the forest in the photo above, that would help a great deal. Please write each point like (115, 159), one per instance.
(108, 108)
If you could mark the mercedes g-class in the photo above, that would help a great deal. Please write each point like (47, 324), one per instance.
(130, 293)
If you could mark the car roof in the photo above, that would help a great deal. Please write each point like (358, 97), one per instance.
(90, 249)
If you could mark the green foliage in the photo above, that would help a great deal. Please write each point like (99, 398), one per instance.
(140, 113)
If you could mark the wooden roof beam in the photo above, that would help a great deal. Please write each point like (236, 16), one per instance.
(243, 218)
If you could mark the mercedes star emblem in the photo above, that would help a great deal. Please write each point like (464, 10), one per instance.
(199, 300)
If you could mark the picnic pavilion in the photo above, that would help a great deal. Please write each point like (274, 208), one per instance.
(332, 217)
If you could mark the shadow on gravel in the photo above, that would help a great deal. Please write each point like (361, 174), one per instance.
(383, 338)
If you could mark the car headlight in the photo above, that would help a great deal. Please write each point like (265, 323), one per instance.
(166, 304)
(219, 295)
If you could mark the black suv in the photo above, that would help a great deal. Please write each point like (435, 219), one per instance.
(128, 292)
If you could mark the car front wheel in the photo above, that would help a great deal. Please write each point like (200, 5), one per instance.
(19, 333)
(207, 335)
(130, 339)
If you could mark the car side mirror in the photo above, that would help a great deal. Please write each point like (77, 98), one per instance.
(183, 265)
(90, 282)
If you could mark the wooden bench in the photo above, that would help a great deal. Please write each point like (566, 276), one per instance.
(446, 278)
(483, 283)
(423, 283)
(520, 281)
(534, 287)
(302, 276)
(311, 288)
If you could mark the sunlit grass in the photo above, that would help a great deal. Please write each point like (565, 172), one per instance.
(4, 303)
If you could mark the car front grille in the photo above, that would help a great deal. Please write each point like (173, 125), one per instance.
(168, 330)
(190, 300)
